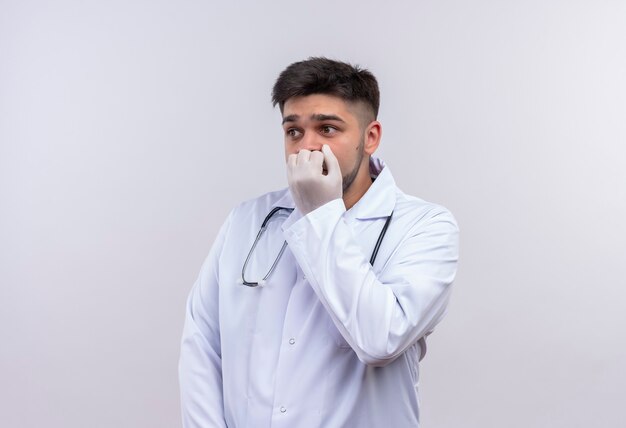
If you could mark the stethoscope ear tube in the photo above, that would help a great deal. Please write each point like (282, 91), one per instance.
(380, 239)
(263, 281)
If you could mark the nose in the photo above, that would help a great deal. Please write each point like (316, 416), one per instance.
(310, 141)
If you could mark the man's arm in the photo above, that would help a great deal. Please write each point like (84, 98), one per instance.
(200, 364)
(378, 318)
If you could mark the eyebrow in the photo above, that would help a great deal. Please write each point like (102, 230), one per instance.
(315, 117)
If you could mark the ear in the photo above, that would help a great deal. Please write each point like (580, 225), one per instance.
(373, 133)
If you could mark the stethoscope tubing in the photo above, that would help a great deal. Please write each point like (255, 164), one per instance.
(243, 281)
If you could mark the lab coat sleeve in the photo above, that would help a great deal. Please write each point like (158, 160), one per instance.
(378, 317)
(200, 364)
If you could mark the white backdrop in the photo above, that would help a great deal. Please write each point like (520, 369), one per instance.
(128, 129)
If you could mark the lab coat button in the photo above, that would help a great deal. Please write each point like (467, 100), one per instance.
(282, 410)
(292, 341)
(304, 277)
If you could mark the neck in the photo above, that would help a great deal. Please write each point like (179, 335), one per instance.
(359, 186)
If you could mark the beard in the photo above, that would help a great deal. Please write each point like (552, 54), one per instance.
(348, 179)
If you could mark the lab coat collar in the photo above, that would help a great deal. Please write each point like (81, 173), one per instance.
(378, 201)
(380, 198)
(285, 201)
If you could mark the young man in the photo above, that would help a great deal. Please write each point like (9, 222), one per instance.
(313, 306)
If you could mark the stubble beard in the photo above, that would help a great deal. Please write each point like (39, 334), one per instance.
(349, 178)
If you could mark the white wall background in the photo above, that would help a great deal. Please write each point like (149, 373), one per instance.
(128, 129)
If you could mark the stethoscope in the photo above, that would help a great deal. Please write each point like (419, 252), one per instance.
(282, 249)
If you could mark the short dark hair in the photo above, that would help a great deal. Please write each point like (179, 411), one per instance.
(319, 75)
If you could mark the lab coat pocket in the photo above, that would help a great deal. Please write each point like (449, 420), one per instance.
(335, 335)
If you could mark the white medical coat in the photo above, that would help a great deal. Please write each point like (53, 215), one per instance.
(329, 341)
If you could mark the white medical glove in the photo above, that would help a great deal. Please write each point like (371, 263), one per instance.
(309, 187)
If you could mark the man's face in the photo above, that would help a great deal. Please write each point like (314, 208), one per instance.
(311, 121)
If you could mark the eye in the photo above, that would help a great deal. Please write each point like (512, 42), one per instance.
(293, 133)
(328, 130)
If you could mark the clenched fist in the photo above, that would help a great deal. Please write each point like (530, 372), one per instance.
(309, 186)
